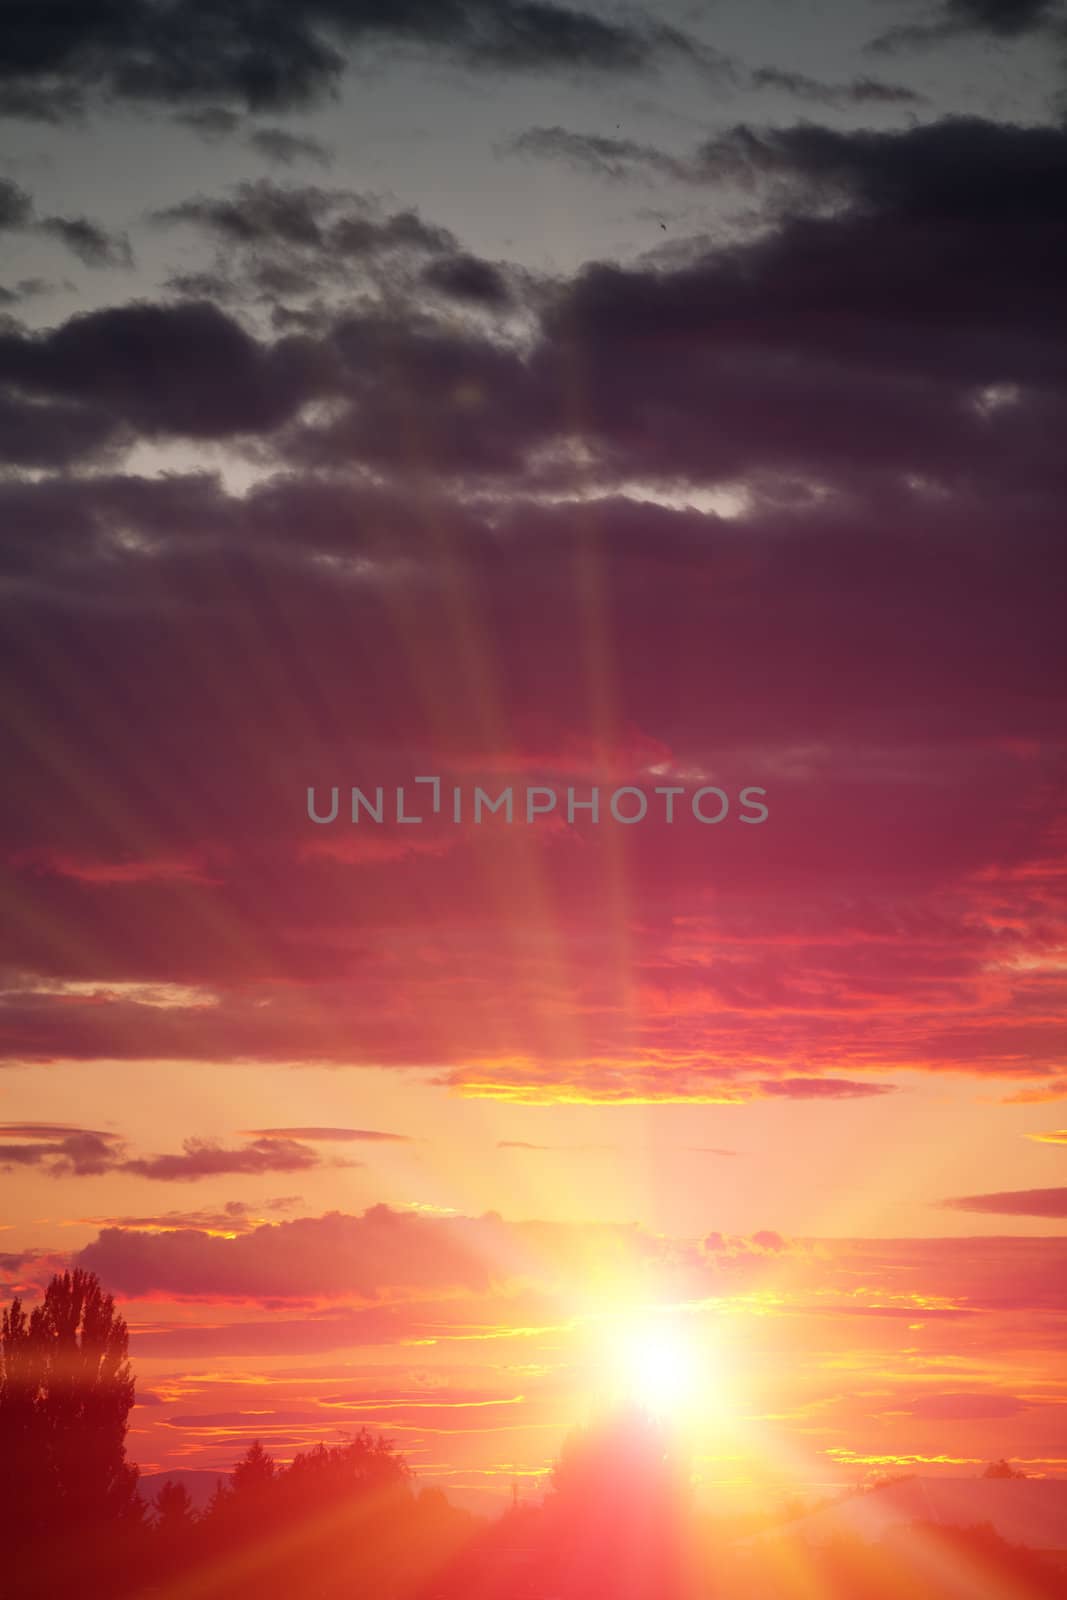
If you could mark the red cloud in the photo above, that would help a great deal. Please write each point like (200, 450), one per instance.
(1015, 1203)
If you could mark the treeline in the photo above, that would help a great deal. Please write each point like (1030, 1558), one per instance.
(349, 1522)
(338, 1520)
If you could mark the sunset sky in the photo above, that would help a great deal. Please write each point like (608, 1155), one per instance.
(541, 397)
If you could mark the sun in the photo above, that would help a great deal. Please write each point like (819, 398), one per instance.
(658, 1365)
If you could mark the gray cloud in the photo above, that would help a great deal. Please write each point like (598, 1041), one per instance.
(273, 57)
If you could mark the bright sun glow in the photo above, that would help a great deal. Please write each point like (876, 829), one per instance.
(660, 1365)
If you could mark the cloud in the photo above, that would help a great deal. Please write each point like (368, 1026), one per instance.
(957, 170)
(93, 245)
(733, 1246)
(210, 122)
(204, 1158)
(523, 1144)
(385, 1254)
(999, 19)
(325, 223)
(81, 1152)
(1014, 1203)
(979, 1407)
(871, 394)
(16, 207)
(281, 244)
(1040, 1094)
(605, 157)
(272, 58)
(186, 369)
(235, 1216)
(306, 1258)
(823, 1088)
(859, 92)
(60, 1151)
(23, 1271)
(283, 148)
(24, 289)
(800, 342)
(1059, 1136)
(469, 280)
(343, 1135)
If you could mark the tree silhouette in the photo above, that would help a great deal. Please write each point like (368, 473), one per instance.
(243, 1507)
(253, 1474)
(618, 1506)
(1003, 1469)
(65, 1395)
(173, 1506)
(623, 1457)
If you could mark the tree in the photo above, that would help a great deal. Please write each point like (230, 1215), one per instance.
(237, 1508)
(174, 1541)
(366, 1466)
(618, 1510)
(1003, 1469)
(173, 1506)
(66, 1390)
(253, 1474)
(627, 1456)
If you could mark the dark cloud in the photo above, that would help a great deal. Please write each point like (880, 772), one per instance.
(1014, 1203)
(953, 172)
(81, 1152)
(469, 280)
(1004, 17)
(875, 395)
(606, 157)
(279, 242)
(41, 102)
(322, 221)
(999, 19)
(859, 92)
(61, 1152)
(271, 57)
(283, 148)
(204, 1158)
(888, 336)
(16, 207)
(93, 246)
(24, 289)
(186, 369)
(932, 279)
(210, 122)
(258, 213)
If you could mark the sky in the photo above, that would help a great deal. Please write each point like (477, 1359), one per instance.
(542, 400)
